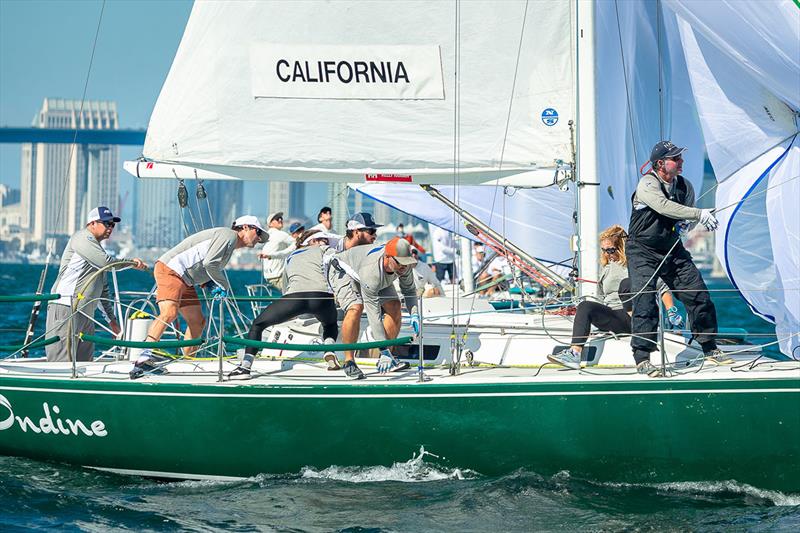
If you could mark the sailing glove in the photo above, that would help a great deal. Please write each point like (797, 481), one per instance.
(708, 220)
(219, 293)
(386, 361)
(674, 317)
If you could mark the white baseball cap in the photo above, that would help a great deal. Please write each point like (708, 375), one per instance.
(252, 220)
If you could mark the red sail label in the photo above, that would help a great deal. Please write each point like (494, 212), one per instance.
(392, 178)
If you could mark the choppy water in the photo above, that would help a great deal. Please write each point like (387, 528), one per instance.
(416, 495)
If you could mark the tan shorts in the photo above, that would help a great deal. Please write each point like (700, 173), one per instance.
(170, 286)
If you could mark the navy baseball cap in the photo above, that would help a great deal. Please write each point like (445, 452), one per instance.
(296, 226)
(665, 149)
(362, 221)
(102, 214)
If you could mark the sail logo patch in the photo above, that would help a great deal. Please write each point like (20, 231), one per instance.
(402, 72)
(49, 423)
(550, 116)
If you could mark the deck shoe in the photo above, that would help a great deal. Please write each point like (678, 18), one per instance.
(352, 371)
(646, 367)
(718, 357)
(568, 358)
(333, 362)
(148, 366)
(401, 365)
(240, 372)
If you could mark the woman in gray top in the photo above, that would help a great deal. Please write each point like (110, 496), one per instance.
(307, 291)
(612, 311)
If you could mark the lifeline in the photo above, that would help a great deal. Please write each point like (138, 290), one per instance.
(344, 71)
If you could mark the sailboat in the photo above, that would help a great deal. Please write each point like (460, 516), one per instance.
(452, 93)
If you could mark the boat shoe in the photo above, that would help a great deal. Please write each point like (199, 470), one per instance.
(352, 371)
(333, 362)
(646, 367)
(240, 372)
(718, 357)
(567, 357)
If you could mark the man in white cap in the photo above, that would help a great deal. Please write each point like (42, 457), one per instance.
(197, 260)
(81, 259)
(371, 271)
(275, 251)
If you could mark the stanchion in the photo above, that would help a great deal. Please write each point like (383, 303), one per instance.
(221, 346)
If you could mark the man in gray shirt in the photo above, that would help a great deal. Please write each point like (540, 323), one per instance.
(371, 271)
(197, 260)
(81, 259)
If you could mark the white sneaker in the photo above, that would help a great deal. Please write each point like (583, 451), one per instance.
(568, 358)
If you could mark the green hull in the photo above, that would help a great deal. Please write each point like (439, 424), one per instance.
(634, 431)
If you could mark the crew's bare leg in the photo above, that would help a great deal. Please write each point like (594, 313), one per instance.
(195, 322)
(351, 325)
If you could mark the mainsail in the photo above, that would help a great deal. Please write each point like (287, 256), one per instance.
(271, 90)
(744, 64)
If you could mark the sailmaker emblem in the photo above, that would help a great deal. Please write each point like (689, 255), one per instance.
(549, 116)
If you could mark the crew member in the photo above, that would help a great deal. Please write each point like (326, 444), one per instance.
(361, 230)
(663, 208)
(81, 259)
(371, 271)
(307, 291)
(197, 260)
(275, 251)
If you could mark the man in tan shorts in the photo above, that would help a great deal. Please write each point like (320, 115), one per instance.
(197, 260)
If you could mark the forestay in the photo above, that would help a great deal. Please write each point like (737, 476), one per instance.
(350, 91)
(744, 64)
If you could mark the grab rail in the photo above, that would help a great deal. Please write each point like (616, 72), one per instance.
(236, 341)
(29, 298)
(105, 341)
(31, 345)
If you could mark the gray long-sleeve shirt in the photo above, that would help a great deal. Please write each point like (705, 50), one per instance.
(365, 265)
(648, 193)
(305, 271)
(82, 257)
(201, 257)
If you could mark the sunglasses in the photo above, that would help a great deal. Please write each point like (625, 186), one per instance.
(108, 223)
(609, 250)
(371, 231)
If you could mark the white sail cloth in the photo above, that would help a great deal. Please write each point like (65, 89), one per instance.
(643, 96)
(537, 220)
(217, 112)
(744, 65)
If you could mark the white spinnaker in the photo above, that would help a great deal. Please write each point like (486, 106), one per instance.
(207, 117)
(744, 65)
(633, 114)
(537, 220)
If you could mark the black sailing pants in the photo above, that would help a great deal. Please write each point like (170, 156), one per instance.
(682, 277)
(600, 316)
(318, 304)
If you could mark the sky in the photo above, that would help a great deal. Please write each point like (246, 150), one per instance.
(45, 49)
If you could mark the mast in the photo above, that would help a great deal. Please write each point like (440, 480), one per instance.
(587, 179)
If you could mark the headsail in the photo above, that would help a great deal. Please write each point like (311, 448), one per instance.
(512, 98)
(744, 64)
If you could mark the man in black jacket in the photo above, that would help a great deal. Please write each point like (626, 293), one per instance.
(663, 209)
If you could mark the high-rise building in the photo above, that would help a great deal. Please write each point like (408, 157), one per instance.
(60, 183)
(287, 197)
(156, 214)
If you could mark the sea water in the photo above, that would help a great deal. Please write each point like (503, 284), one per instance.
(419, 494)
